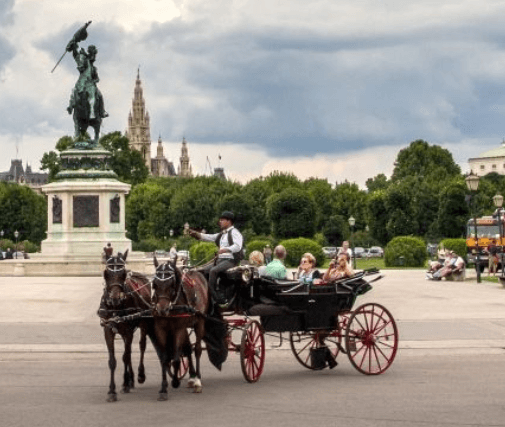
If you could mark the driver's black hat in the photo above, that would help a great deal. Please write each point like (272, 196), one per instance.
(228, 215)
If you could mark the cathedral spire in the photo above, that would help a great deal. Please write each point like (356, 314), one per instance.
(139, 132)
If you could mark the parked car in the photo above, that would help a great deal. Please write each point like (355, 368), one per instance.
(359, 252)
(159, 253)
(376, 252)
(329, 251)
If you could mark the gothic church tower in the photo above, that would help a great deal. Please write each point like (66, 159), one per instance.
(184, 166)
(139, 131)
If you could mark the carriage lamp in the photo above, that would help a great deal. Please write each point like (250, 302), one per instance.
(352, 223)
(472, 182)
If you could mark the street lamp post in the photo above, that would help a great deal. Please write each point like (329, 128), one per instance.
(352, 222)
(16, 235)
(472, 182)
(498, 202)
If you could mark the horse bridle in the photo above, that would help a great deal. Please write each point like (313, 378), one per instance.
(164, 275)
(115, 265)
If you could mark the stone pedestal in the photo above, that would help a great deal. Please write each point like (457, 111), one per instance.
(86, 207)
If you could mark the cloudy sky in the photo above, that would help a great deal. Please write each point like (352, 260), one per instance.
(322, 88)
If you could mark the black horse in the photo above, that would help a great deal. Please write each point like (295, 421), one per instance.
(180, 302)
(125, 298)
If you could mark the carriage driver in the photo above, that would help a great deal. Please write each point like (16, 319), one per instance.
(230, 243)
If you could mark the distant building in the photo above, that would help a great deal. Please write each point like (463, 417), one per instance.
(17, 174)
(139, 135)
(160, 166)
(219, 172)
(139, 129)
(184, 169)
(489, 161)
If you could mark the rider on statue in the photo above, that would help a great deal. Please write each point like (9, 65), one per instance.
(86, 100)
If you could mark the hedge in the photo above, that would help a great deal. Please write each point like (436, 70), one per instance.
(257, 245)
(405, 251)
(297, 247)
(456, 245)
(202, 252)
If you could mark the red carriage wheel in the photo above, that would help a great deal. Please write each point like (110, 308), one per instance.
(252, 351)
(371, 339)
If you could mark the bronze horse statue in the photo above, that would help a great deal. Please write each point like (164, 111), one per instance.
(126, 296)
(180, 302)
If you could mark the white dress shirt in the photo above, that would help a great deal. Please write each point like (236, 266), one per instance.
(237, 239)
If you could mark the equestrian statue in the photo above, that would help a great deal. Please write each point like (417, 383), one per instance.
(86, 100)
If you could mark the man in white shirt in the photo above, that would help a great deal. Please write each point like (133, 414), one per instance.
(230, 243)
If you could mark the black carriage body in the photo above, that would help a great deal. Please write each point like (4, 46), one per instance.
(287, 306)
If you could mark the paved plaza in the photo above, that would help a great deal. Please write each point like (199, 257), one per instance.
(449, 370)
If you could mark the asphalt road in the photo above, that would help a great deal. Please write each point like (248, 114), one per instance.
(449, 370)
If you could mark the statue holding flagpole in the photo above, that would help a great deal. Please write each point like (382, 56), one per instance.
(86, 101)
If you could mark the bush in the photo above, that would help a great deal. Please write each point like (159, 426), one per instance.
(456, 245)
(202, 252)
(258, 245)
(29, 247)
(405, 251)
(146, 245)
(297, 247)
(6, 243)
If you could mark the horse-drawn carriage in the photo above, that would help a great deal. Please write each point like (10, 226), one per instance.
(320, 320)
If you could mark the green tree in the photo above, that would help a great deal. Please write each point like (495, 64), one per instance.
(401, 221)
(321, 191)
(126, 162)
(336, 230)
(453, 211)
(23, 210)
(377, 216)
(378, 182)
(349, 201)
(421, 159)
(292, 213)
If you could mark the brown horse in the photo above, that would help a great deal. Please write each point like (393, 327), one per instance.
(125, 297)
(180, 302)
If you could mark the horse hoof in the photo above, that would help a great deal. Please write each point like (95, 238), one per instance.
(125, 390)
(191, 383)
(112, 398)
(176, 383)
(197, 389)
(141, 379)
(162, 397)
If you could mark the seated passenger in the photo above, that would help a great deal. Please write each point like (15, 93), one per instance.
(338, 269)
(455, 265)
(276, 269)
(434, 267)
(307, 270)
(256, 258)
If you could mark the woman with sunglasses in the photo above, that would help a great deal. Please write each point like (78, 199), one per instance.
(307, 271)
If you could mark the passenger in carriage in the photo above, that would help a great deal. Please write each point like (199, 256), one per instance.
(338, 269)
(276, 268)
(307, 270)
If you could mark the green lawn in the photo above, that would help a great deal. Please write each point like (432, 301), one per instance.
(362, 264)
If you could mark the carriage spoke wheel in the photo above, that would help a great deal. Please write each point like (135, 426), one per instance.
(371, 339)
(302, 342)
(252, 351)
